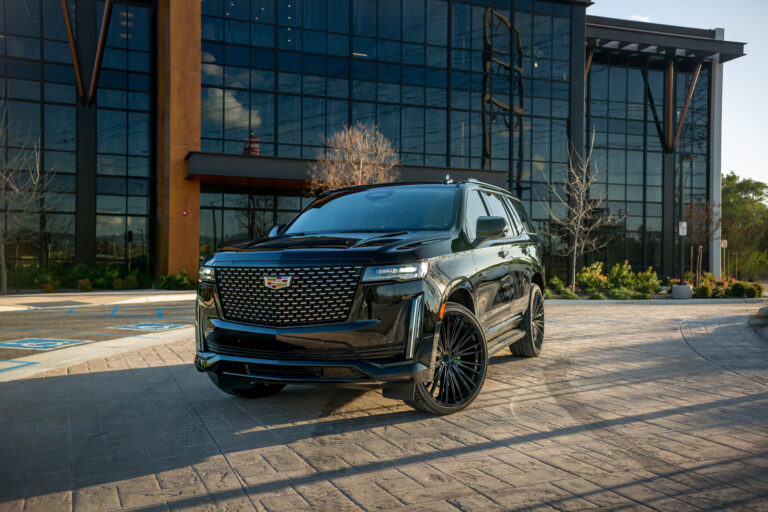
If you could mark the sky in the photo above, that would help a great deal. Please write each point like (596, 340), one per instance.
(745, 80)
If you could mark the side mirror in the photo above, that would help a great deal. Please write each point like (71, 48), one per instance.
(490, 227)
(275, 231)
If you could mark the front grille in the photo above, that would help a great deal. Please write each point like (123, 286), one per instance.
(316, 294)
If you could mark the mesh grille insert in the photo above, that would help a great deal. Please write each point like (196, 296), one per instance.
(315, 295)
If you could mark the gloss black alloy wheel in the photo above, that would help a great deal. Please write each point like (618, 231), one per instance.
(533, 324)
(460, 365)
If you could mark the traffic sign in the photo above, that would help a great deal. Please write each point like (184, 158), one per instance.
(723, 244)
(682, 228)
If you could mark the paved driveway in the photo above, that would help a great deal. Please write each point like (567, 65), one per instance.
(656, 407)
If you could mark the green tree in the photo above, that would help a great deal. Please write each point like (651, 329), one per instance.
(744, 211)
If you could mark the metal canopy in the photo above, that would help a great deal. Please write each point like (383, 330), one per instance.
(656, 39)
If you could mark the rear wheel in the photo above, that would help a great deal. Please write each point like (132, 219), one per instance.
(460, 366)
(245, 389)
(533, 324)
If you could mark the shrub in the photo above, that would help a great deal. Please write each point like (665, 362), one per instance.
(591, 278)
(595, 295)
(737, 289)
(709, 276)
(49, 288)
(621, 293)
(548, 294)
(130, 282)
(703, 291)
(178, 281)
(101, 283)
(621, 276)
(118, 284)
(641, 295)
(555, 284)
(719, 292)
(84, 285)
(567, 293)
(689, 277)
(647, 282)
(754, 290)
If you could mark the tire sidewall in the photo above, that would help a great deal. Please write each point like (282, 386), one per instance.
(535, 291)
(421, 387)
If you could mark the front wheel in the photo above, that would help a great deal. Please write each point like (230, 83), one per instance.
(245, 389)
(460, 366)
(533, 325)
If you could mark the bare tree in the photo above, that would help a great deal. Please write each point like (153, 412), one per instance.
(356, 155)
(24, 189)
(703, 222)
(582, 220)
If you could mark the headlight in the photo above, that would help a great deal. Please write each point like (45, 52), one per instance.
(405, 272)
(206, 275)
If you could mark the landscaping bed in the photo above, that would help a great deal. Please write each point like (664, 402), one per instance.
(622, 283)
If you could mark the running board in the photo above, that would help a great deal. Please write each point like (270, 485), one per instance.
(514, 335)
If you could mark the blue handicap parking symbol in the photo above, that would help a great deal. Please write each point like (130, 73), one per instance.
(6, 366)
(39, 343)
(149, 327)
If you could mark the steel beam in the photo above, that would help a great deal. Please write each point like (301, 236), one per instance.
(73, 50)
(100, 50)
(686, 104)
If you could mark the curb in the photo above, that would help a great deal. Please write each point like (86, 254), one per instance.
(655, 302)
(62, 358)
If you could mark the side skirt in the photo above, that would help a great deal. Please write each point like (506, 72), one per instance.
(511, 337)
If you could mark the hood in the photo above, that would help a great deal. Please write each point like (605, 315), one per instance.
(339, 247)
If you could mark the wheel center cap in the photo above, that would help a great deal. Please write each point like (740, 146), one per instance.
(447, 358)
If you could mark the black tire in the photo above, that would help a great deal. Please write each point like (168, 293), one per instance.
(245, 389)
(457, 381)
(533, 324)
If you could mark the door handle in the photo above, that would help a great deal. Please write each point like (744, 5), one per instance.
(503, 253)
(526, 250)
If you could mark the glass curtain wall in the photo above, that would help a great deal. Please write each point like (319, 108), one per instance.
(37, 112)
(229, 216)
(478, 85)
(628, 151)
(124, 167)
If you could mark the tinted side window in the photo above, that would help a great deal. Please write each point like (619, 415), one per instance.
(518, 208)
(496, 206)
(475, 208)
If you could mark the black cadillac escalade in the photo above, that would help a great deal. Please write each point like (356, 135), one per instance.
(410, 285)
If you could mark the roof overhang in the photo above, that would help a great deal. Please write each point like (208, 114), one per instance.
(279, 172)
(656, 39)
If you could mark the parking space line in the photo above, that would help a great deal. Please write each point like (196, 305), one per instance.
(114, 311)
(159, 312)
(14, 365)
(112, 334)
(71, 310)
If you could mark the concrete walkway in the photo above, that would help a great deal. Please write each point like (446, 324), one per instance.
(629, 407)
(19, 302)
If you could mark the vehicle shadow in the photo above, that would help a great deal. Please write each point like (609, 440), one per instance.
(82, 430)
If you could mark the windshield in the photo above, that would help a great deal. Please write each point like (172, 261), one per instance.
(384, 209)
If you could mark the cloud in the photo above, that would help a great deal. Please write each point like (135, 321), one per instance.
(637, 17)
(236, 115)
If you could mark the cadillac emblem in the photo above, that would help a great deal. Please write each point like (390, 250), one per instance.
(277, 282)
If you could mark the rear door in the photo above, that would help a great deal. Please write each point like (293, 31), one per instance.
(525, 252)
(492, 281)
(503, 249)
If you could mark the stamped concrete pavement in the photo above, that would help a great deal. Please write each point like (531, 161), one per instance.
(629, 407)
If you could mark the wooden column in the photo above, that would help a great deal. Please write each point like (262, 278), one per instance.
(178, 133)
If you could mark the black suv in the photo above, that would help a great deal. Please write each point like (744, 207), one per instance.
(409, 285)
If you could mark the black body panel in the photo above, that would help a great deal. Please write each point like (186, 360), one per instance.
(380, 331)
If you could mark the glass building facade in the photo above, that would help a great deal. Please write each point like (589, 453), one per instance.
(482, 85)
(107, 143)
(500, 90)
(625, 96)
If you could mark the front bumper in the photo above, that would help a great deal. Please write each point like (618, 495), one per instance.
(390, 336)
